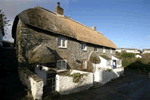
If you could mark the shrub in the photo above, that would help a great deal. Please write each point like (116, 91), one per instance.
(126, 62)
(128, 55)
(108, 69)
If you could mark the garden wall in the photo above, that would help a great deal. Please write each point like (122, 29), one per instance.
(32, 81)
(65, 84)
(104, 76)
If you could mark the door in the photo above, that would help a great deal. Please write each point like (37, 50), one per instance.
(114, 64)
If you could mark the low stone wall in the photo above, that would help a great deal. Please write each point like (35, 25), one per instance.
(104, 76)
(65, 84)
(32, 81)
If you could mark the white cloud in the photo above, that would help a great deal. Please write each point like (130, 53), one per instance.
(148, 36)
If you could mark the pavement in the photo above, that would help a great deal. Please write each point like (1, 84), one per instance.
(131, 86)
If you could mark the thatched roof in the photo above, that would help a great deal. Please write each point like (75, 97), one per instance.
(105, 57)
(42, 55)
(94, 58)
(44, 19)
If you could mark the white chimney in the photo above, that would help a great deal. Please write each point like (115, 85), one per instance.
(94, 28)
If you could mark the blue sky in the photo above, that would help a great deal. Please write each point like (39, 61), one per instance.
(125, 22)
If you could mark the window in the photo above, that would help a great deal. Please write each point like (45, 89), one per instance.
(85, 64)
(61, 64)
(110, 50)
(84, 47)
(103, 49)
(108, 62)
(40, 67)
(95, 49)
(62, 42)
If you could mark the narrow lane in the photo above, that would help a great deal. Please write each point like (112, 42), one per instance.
(132, 86)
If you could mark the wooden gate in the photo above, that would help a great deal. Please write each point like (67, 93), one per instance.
(50, 83)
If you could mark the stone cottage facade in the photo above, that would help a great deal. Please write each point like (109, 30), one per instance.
(40, 34)
(45, 38)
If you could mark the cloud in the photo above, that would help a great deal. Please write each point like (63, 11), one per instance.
(13, 7)
(148, 36)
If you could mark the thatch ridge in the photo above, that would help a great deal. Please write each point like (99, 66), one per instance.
(44, 19)
(105, 57)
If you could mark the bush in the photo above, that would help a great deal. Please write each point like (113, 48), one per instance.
(108, 69)
(128, 55)
(126, 62)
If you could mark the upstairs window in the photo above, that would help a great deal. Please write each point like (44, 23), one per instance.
(103, 49)
(62, 42)
(95, 49)
(61, 64)
(84, 47)
(110, 50)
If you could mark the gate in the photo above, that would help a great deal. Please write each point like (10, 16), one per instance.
(50, 83)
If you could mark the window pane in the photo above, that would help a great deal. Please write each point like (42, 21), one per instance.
(58, 64)
(63, 42)
(84, 46)
(63, 65)
(59, 41)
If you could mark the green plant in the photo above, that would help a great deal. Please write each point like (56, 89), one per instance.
(108, 69)
(77, 77)
(128, 55)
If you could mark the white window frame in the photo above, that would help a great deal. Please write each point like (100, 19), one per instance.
(61, 42)
(85, 49)
(61, 64)
(104, 50)
(96, 49)
(110, 50)
(85, 64)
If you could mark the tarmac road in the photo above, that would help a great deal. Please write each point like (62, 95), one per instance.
(132, 86)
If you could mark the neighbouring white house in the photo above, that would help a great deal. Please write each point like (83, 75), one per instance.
(102, 75)
(109, 62)
(146, 51)
(128, 50)
(105, 62)
(116, 62)
(138, 56)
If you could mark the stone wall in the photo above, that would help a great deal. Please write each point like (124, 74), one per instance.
(104, 76)
(32, 81)
(28, 38)
(65, 84)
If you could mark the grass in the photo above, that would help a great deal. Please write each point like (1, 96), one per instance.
(129, 61)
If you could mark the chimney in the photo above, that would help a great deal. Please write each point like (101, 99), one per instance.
(94, 28)
(58, 9)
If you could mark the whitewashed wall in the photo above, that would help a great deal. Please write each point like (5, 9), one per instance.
(65, 84)
(146, 52)
(103, 76)
(42, 73)
(32, 81)
(118, 50)
(130, 51)
(103, 63)
(138, 56)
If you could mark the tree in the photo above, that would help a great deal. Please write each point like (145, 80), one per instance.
(3, 22)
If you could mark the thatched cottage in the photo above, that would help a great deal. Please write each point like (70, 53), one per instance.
(46, 38)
